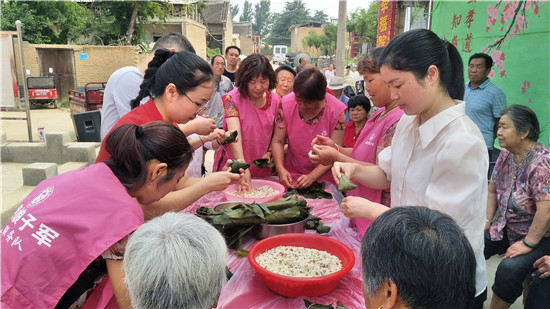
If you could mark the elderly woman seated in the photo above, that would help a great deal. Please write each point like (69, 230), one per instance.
(175, 261)
(415, 257)
(518, 207)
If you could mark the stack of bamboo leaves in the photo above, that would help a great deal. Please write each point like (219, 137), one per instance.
(236, 221)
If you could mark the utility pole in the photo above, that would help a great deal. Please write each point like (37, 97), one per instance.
(341, 39)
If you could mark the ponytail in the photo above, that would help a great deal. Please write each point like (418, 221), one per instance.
(161, 56)
(455, 79)
(131, 147)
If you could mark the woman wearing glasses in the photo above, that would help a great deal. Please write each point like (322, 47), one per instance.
(178, 98)
(250, 109)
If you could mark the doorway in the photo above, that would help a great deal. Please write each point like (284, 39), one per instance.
(62, 63)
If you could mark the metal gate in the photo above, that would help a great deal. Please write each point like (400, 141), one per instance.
(62, 63)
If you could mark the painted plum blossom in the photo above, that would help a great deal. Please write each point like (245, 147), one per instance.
(511, 15)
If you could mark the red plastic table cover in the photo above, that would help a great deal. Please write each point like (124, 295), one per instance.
(246, 288)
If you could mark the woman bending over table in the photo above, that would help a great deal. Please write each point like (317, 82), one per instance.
(71, 229)
(178, 98)
(518, 207)
(304, 114)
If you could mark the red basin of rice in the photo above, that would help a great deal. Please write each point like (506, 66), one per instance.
(299, 286)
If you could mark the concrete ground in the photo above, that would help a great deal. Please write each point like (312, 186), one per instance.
(13, 191)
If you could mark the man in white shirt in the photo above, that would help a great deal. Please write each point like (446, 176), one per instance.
(214, 107)
(329, 74)
(123, 84)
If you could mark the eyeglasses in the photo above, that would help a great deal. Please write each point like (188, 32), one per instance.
(200, 109)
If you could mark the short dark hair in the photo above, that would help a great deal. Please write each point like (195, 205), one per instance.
(285, 68)
(415, 50)
(214, 58)
(132, 146)
(175, 41)
(424, 253)
(230, 47)
(310, 85)
(348, 66)
(359, 100)
(524, 120)
(488, 59)
(369, 63)
(184, 69)
(251, 67)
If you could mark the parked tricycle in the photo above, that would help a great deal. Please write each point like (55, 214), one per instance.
(89, 100)
(42, 90)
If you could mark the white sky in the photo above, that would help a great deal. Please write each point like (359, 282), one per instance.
(330, 7)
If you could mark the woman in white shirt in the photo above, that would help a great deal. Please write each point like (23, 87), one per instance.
(438, 157)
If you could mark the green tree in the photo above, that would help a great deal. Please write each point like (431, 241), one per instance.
(313, 39)
(104, 22)
(234, 10)
(247, 12)
(262, 18)
(295, 12)
(112, 23)
(364, 22)
(50, 22)
(325, 41)
(211, 53)
(320, 17)
(331, 33)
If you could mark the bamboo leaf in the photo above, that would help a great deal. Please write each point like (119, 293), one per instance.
(242, 253)
(236, 166)
(345, 184)
(231, 138)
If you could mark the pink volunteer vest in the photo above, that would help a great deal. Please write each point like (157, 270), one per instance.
(365, 150)
(58, 230)
(301, 134)
(257, 130)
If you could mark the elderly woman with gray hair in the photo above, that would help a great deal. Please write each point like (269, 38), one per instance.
(416, 257)
(518, 206)
(176, 260)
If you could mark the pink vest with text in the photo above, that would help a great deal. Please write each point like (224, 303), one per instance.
(301, 134)
(65, 223)
(256, 128)
(365, 150)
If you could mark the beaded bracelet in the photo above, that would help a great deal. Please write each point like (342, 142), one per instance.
(528, 244)
(201, 140)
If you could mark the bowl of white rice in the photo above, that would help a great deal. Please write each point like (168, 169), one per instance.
(295, 265)
(262, 191)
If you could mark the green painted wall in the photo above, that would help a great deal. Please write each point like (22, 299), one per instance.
(521, 55)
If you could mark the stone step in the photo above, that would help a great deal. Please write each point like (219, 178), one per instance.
(69, 166)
